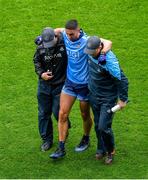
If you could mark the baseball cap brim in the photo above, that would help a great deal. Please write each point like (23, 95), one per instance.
(89, 51)
(50, 43)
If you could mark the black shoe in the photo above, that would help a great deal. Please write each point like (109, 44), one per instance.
(46, 146)
(83, 145)
(59, 153)
(109, 159)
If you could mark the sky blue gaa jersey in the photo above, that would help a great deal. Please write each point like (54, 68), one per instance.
(77, 70)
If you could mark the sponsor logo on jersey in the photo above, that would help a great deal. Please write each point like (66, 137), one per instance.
(73, 54)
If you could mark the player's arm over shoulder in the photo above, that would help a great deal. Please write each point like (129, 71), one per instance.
(58, 30)
(107, 45)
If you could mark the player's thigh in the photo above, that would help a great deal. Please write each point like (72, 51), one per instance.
(66, 102)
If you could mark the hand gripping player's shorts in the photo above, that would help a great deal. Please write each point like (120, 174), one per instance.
(80, 91)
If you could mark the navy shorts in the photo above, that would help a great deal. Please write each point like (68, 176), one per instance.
(80, 91)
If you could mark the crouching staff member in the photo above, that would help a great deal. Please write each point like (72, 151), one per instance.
(107, 83)
(50, 61)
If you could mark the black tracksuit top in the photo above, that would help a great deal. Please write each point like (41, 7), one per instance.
(52, 59)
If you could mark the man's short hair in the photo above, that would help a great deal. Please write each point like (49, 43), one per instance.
(71, 24)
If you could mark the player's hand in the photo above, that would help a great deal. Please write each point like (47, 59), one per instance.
(121, 104)
(47, 76)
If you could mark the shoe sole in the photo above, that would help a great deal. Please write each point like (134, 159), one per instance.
(81, 150)
(44, 150)
(108, 163)
(56, 157)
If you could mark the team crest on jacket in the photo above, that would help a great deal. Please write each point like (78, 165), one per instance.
(61, 49)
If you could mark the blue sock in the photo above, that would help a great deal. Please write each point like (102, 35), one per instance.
(86, 137)
(62, 145)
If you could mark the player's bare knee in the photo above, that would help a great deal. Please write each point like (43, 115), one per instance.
(63, 116)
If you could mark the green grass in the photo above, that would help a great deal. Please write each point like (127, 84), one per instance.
(124, 22)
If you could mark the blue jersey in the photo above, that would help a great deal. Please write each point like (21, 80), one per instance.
(77, 70)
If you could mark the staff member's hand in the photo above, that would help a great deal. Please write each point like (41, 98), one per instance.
(47, 76)
(121, 104)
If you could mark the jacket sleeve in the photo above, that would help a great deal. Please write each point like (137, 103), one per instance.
(37, 64)
(121, 80)
(122, 86)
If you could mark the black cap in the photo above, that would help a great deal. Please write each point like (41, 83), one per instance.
(92, 44)
(48, 37)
